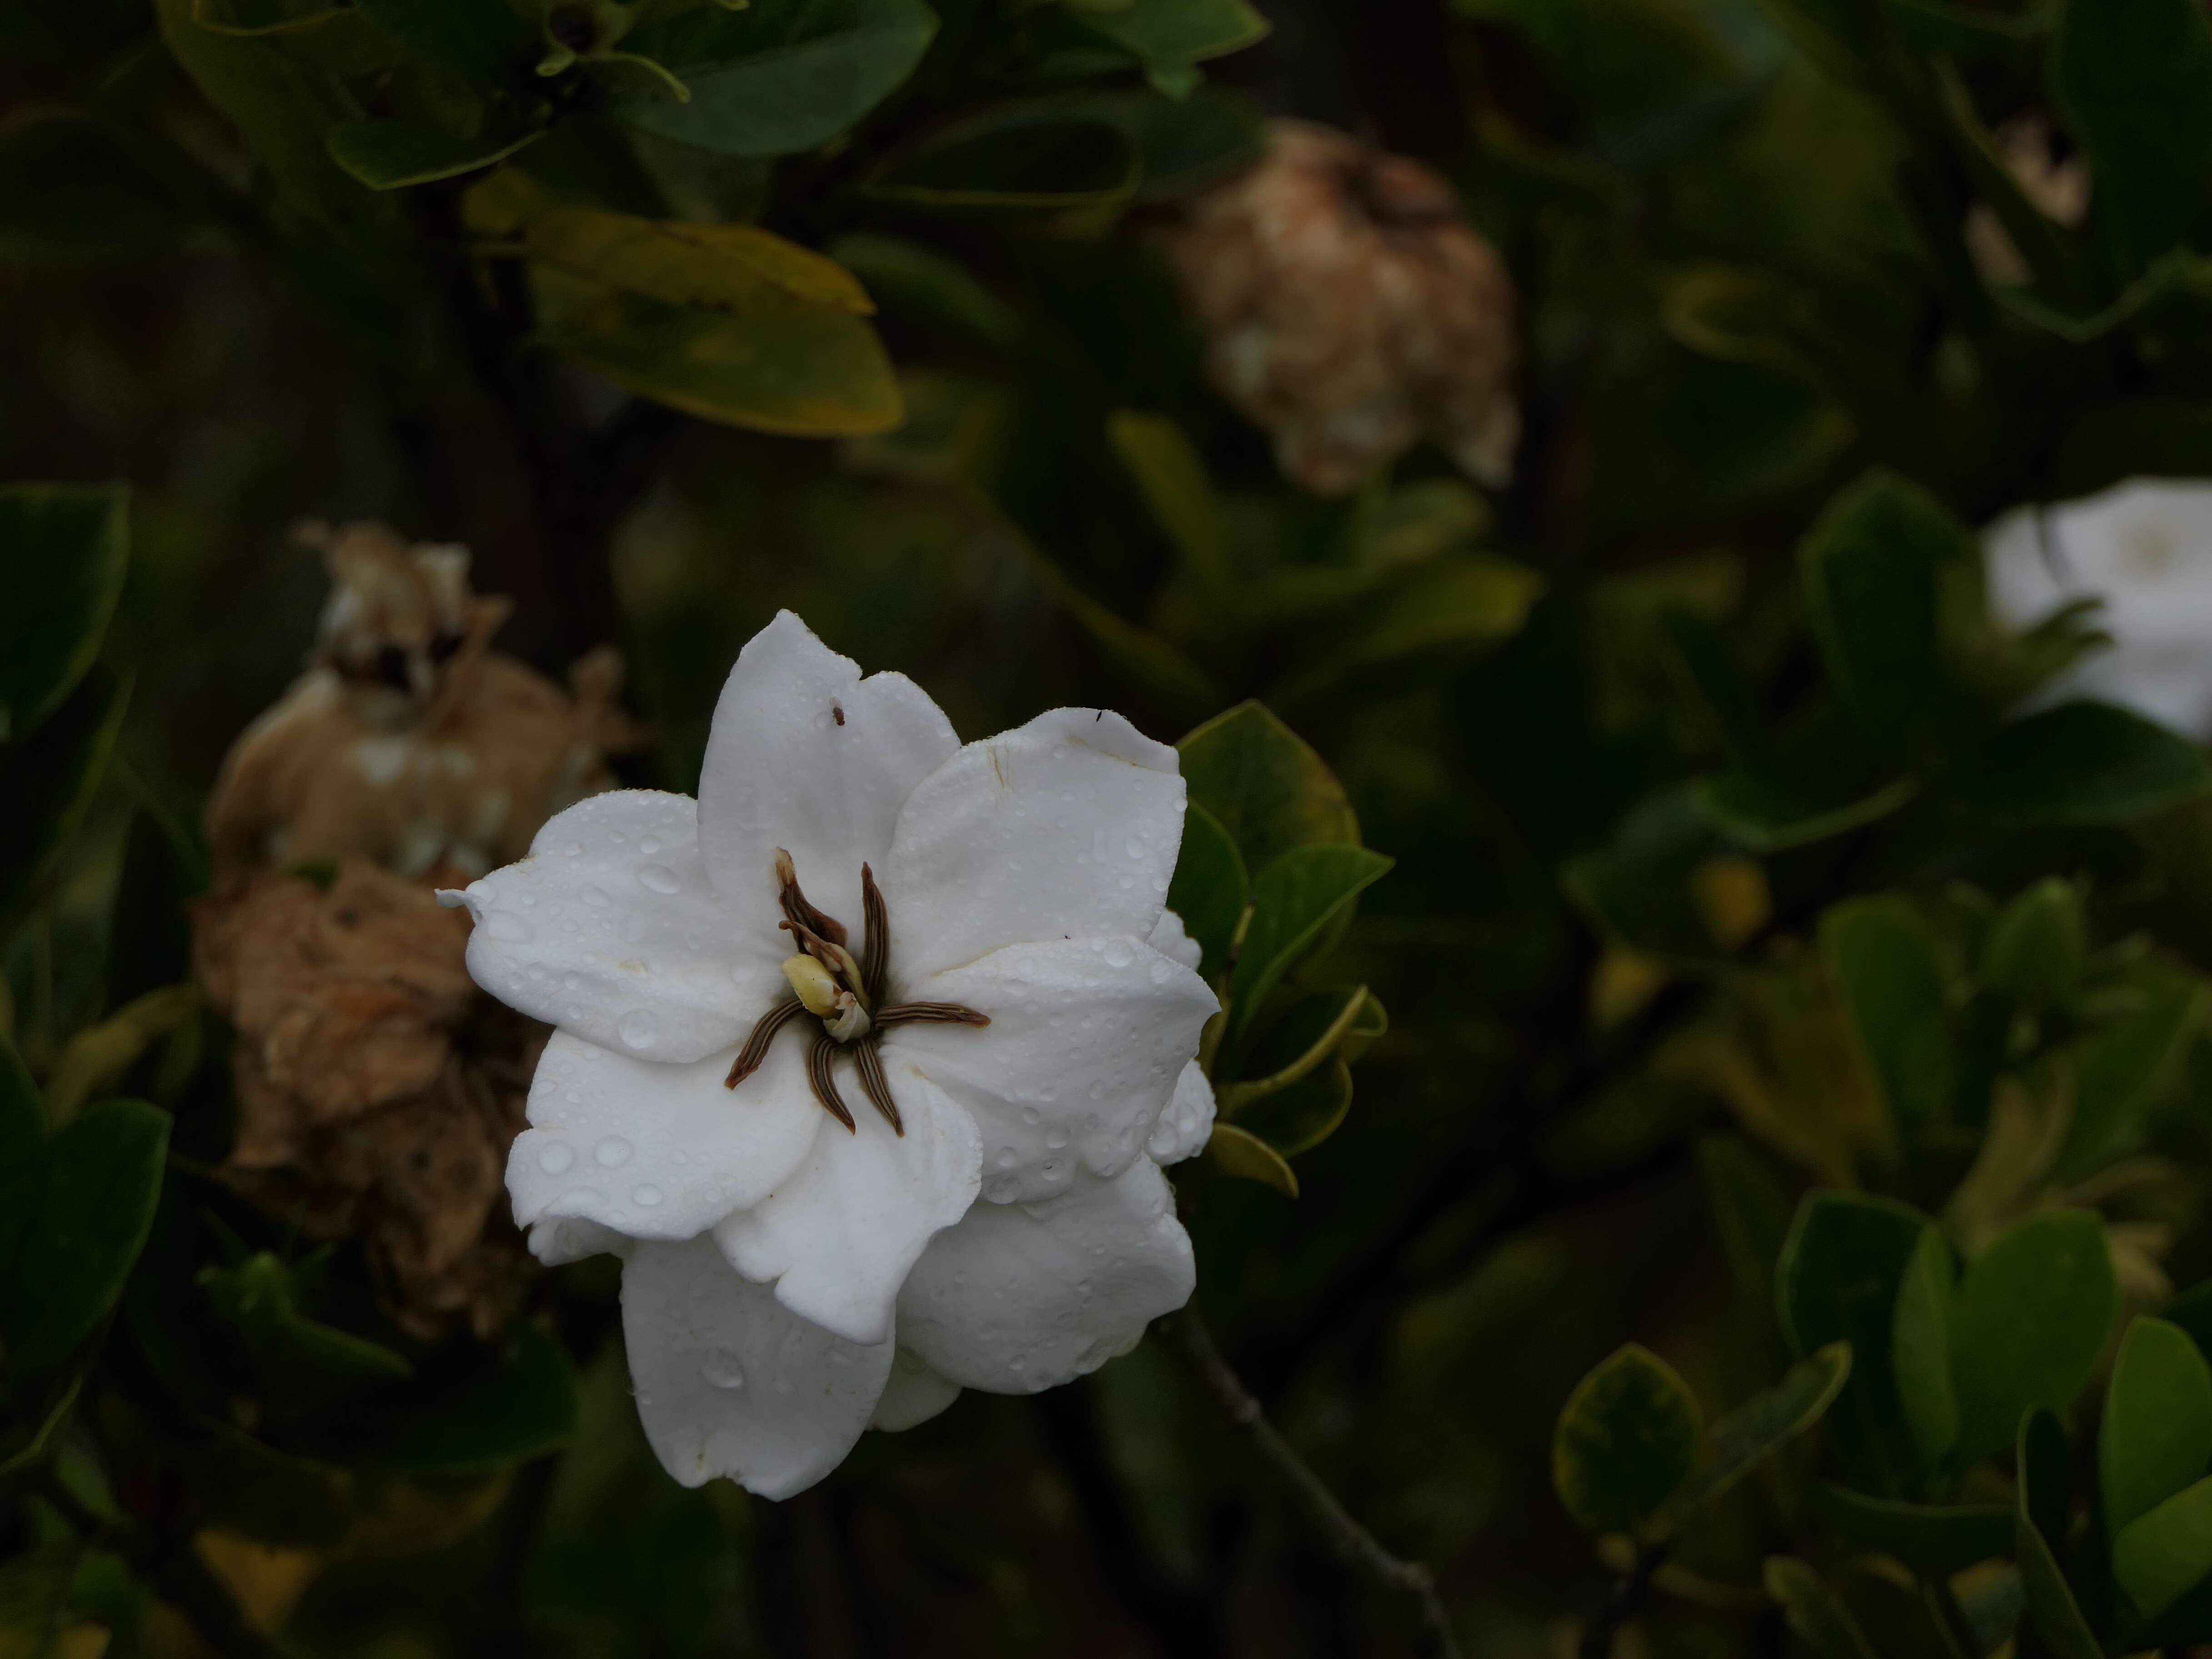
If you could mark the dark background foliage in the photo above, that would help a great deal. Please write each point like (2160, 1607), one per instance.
(1728, 869)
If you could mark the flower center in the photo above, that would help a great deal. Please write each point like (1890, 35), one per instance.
(846, 993)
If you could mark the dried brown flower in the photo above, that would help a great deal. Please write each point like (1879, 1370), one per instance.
(2056, 185)
(378, 1089)
(1350, 309)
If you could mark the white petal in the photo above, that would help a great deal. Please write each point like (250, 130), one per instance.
(1170, 939)
(1065, 828)
(571, 1238)
(731, 1382)
(1086, 1042)
(659, 1151)
(913, 1394)
(608, 930)
(807, 755)
(838, 1236)
(1182, 1129)
(1023, 1297)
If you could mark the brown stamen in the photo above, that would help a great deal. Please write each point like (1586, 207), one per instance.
(796, 906)
(821, 1071)
(756, 1050)
(948, 1013)
(878, 1087)
(875, 953)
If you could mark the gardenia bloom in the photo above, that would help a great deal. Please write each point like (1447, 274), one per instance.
(2144, 547)
(866, 1062)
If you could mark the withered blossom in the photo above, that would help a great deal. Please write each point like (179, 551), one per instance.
(1350, 309)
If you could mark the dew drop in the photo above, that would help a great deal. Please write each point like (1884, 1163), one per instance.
(648, 845)
(1118, 953)
(612, 1153)
(659, 878)
(1056, 1139)
(1031, 1116)
(1006, 1158)
(721, 1368)
(509, 928)
(596, 897)
(1133, 848)
(1002, 1190)
(556, 1157)
(639, 1029)
(648, 1197)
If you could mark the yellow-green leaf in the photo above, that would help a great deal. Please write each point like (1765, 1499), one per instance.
(1241, 1153)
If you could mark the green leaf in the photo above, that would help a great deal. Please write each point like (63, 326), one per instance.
(1297, 903)
(22, 1144)
(784, 366)
(1885, 567)
(1920, 1348)
(2082, 763)
(470, 1409)
(2134, 81)
(393, 155)
(1298, 1086)
(70, 189)
(48, 780)
(1265, 785)
(1819, 1619)
(100, 1179)
(1210, 889)
(1764, 814)
(1628, 1439)
(2037, 947)
(1836, 1281)
(63, 551)
(292, 1350)
(2156, 1435)
(1888, 967)
(790, 79)
(2030, 1322)
(1242, 1154)
(1170, 476)
(494, 47)
(2160, 1557)
(914, 280)
(1451, 602)
(1764, 1424)
(2125, 1067)
(1040, 157)
(1168, 36)
(1926, 1537)
(2043, 1460)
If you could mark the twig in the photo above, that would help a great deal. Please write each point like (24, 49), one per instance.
(498, 1612)
(1620, 1601)
(175, 1568)
(1351, 1543)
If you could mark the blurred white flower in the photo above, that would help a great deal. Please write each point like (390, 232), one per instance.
(2144, 547)
(967, 945)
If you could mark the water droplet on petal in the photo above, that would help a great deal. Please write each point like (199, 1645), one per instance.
(555, 1156)
(1118, 953)
(659, 878)
(648, 1197)
(721, 1368)
(613, 1152)
(648, 845)
(595, 896)
(509, 928)
(639, 1029)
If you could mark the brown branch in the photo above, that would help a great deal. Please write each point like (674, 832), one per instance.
(1621, 1600)
(1353, 1543)
(175, 1571)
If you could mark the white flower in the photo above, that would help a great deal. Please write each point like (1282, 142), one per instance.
(796, 1266)
(2145, 549)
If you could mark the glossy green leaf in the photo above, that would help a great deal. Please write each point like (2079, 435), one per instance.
(1888, 966)
(2134, 81)
(71, 189)
(492, 45)
(1298, 1117)
(2030, 1322)
(713, 267)
(1763, 1424)
(292, 1350)
(1630, 1437)
(2082, 763)
(1454, 601)
(393, 155)
(1296, 1089)
(1764, 814)
(783, 366)
(2155, 1437)
(793, 78)
(1238, 1152)
(1920, 1348)
(100, 1179)
(1883, 568)
(2043, 1460)
(1170, 475)
(1836, 1281)
(1927, 1537)
(915, 280)
(1819, 1619)
(1297, 902)
(2125, 1065)
(1168, 36)
(1029, 158)
(2160, 1557)
(1265, 785)
(1210, 888)
(2037, 946)
(63, 551)
(49, 778)
(470, 1408)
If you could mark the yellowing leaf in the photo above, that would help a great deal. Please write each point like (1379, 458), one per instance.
(715, 267)
(1242, 1154)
